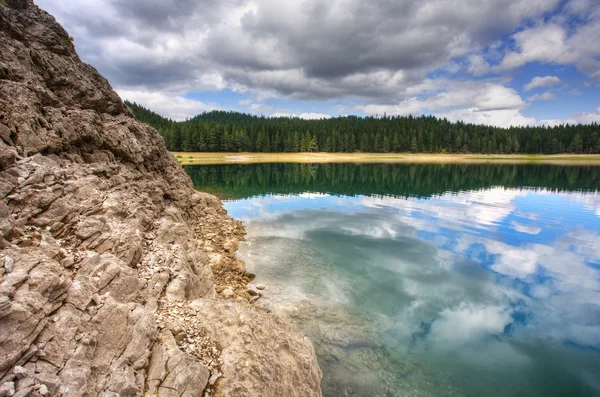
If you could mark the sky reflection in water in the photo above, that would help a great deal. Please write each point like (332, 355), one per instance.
(491, 281)
(489, 289)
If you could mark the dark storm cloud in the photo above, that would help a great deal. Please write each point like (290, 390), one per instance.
(172, 15)
(157, 13)
(339, 38)
(362, 37)
(132, 73)
(310, 49)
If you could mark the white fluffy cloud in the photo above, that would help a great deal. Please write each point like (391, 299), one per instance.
(555, 42)
(545, 43)
(546, 81)
(580, 118)
(477, 103)
(478, 65)
(500, 118)
(588, 118)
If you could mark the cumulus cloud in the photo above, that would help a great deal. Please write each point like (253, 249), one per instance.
(559, 42)
(478, 65)
(546, 43)
(481, 95)
(588, 118)
(546, 81)
(500, 118)
(383, 54)
(580, 118)
(308, 49)
(477, 102)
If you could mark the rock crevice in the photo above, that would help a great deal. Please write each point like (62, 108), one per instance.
(113, 267)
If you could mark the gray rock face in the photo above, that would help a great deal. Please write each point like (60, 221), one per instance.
(104, 246)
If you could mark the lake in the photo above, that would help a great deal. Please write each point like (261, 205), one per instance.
(428, 280)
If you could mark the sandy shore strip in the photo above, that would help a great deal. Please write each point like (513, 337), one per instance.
(199, 158)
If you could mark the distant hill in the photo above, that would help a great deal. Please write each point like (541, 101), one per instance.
(221, 131)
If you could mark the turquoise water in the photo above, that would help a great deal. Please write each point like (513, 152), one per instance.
(459, 281)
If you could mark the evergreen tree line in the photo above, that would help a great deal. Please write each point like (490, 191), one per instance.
(220, 131)
(234, 181)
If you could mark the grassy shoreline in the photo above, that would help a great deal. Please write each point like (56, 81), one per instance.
(188, 158)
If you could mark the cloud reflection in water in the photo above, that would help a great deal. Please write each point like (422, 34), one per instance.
(471, 280)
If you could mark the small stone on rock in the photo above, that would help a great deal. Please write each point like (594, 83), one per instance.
(8, 264)
(43, 390)
(97, 299)
(19, 372)
(227, 292)
(213, 379)
(7, 389)
(251, 292)
(67, 262)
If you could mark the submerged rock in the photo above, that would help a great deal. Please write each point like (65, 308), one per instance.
(104, 245)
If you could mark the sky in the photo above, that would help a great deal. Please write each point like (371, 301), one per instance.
(497, 62)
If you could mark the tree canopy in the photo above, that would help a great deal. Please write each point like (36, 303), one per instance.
(222, 131)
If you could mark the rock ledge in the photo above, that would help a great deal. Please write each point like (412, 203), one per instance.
(112, 268)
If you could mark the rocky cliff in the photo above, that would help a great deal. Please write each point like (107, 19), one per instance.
(116, 277)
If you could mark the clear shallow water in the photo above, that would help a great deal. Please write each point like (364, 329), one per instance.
(483, 282)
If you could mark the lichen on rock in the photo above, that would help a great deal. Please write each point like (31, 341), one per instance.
(113, 267)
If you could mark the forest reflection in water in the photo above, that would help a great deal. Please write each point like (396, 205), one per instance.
(400, 180)
(429, 280)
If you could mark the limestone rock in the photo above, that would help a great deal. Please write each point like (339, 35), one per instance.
(43, 390)
(173, 373)
(8, 264)
(253, 291)
(104, 243)
(19, 372)
(7, 389)
(261, 338)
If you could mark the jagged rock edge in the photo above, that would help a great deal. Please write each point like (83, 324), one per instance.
(111, 262)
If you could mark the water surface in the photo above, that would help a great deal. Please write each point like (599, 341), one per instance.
(429, 280)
